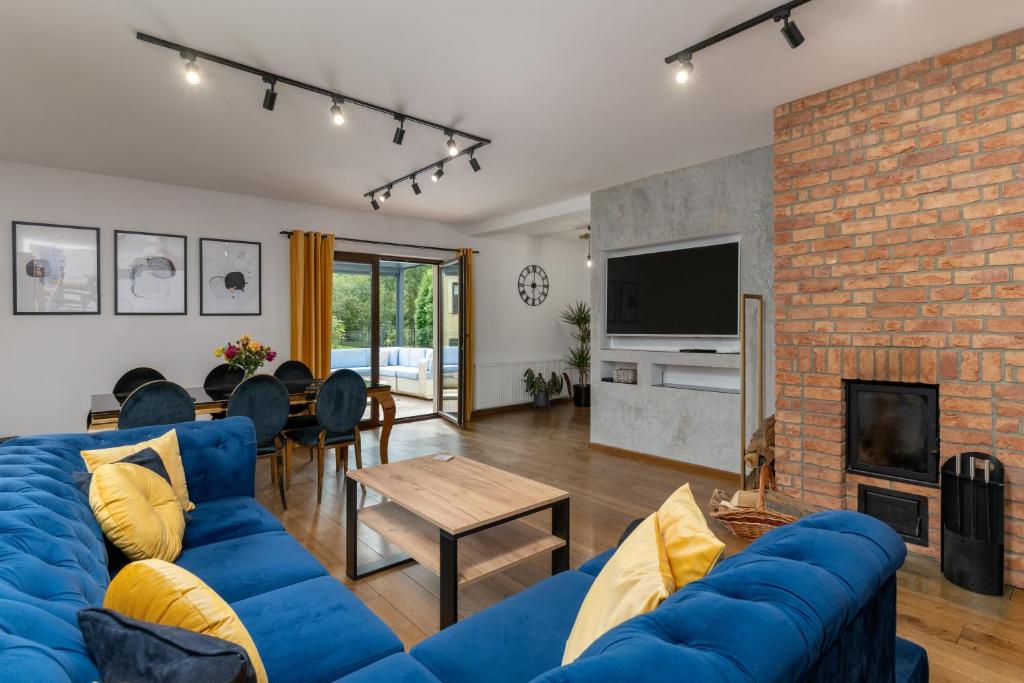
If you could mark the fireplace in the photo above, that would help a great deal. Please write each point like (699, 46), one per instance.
(892, 430)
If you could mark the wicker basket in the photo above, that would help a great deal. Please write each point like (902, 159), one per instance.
(624, 376)
(748, 523)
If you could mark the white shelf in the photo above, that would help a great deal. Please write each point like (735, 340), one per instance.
(696, 377)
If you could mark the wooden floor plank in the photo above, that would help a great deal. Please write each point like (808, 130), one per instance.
(969, 637)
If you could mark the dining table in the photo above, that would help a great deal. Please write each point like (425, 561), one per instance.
(105, 408)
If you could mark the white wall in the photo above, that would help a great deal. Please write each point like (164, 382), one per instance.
(52, 364)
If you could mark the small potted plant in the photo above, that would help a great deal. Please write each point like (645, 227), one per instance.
(246, 354)
(542, 389)
(577, 316)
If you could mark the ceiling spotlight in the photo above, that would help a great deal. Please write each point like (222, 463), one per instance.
(374, 203)
(400, 131)
(436, 175)
(270, 96)
(386, 196)
(789, 29)
(415, 186)
(192, 71)
(337, 115)
(685, 69)
(453, 149)
(473, 163)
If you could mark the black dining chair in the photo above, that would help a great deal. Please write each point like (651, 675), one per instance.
(264, 400)
(156, 403)
(223, 379)
(340, 404)
(296, 375)
(133, 379)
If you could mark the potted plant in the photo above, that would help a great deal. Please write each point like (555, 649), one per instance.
(577, 316)
(542, 389)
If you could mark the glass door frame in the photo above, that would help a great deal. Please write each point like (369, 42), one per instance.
(458, 418)
(374, 261)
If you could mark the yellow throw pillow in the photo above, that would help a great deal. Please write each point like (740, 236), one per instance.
(691, 547)
(162, 593)
(636, 579)
(137, 510)
(669, 549)
(166, 447)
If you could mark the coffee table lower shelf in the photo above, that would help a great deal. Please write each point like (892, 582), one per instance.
(479, 555)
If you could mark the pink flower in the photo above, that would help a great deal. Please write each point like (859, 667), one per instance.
(230, 352)
(271, 355)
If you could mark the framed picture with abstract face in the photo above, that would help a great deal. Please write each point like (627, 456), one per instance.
(230, 278)
(56, 269)
(150, 276)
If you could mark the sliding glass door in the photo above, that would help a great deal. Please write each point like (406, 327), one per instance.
(451, 333)
(387, 326)
(406, 352)
(354, 324)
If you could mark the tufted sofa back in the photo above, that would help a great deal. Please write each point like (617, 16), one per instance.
(814, 600)
(52, 553)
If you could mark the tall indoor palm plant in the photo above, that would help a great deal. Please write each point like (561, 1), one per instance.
(577, 316)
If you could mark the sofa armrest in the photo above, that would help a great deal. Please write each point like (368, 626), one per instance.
(421, 375)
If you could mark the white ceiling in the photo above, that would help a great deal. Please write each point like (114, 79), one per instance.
(573, 92)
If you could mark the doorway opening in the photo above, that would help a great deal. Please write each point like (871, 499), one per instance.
(392, 318)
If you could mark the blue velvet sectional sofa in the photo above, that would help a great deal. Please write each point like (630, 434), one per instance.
(814, 601)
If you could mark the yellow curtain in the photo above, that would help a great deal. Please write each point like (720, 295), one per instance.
(312, 261)
(466, 255)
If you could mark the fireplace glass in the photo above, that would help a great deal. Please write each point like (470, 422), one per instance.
(892, 430)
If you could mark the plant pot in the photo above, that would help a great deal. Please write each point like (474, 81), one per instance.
(581, 395)
(541, 400)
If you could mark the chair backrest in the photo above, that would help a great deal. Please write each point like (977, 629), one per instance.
(294, 372)
(133, 379)
(341, 401)
(224, 377)
(264, 400)
(157, 403)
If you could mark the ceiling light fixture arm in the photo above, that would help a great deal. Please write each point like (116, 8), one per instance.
(421, 171)
(191, 54)
(770, 15)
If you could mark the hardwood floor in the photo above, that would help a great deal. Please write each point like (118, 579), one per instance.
(968, 637)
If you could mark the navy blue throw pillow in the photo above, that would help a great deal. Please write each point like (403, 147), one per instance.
(130, 651)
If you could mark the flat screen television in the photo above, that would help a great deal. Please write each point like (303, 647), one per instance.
(683, 292)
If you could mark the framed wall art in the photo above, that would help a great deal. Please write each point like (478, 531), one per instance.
(56, 269)
(230, 278)
(150, 276)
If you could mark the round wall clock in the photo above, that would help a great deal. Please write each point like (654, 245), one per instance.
(533, 285)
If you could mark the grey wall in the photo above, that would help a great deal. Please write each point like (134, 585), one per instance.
(722, 197)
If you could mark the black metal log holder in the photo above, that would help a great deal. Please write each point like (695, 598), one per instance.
(972, 522)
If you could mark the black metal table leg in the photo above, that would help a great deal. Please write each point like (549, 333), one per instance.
(560, 528)
(449, 579)
(351, 551)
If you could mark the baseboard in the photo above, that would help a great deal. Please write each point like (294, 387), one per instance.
(497, 410)
(690, 467)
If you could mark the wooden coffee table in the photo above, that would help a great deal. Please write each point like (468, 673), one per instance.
(459, 518)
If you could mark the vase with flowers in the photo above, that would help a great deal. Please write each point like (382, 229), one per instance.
(245, 353)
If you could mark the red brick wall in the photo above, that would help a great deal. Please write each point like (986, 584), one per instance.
(899, 255)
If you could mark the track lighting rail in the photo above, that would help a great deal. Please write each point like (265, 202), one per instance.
(272, 79)
(687, 54)
(425, 169)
